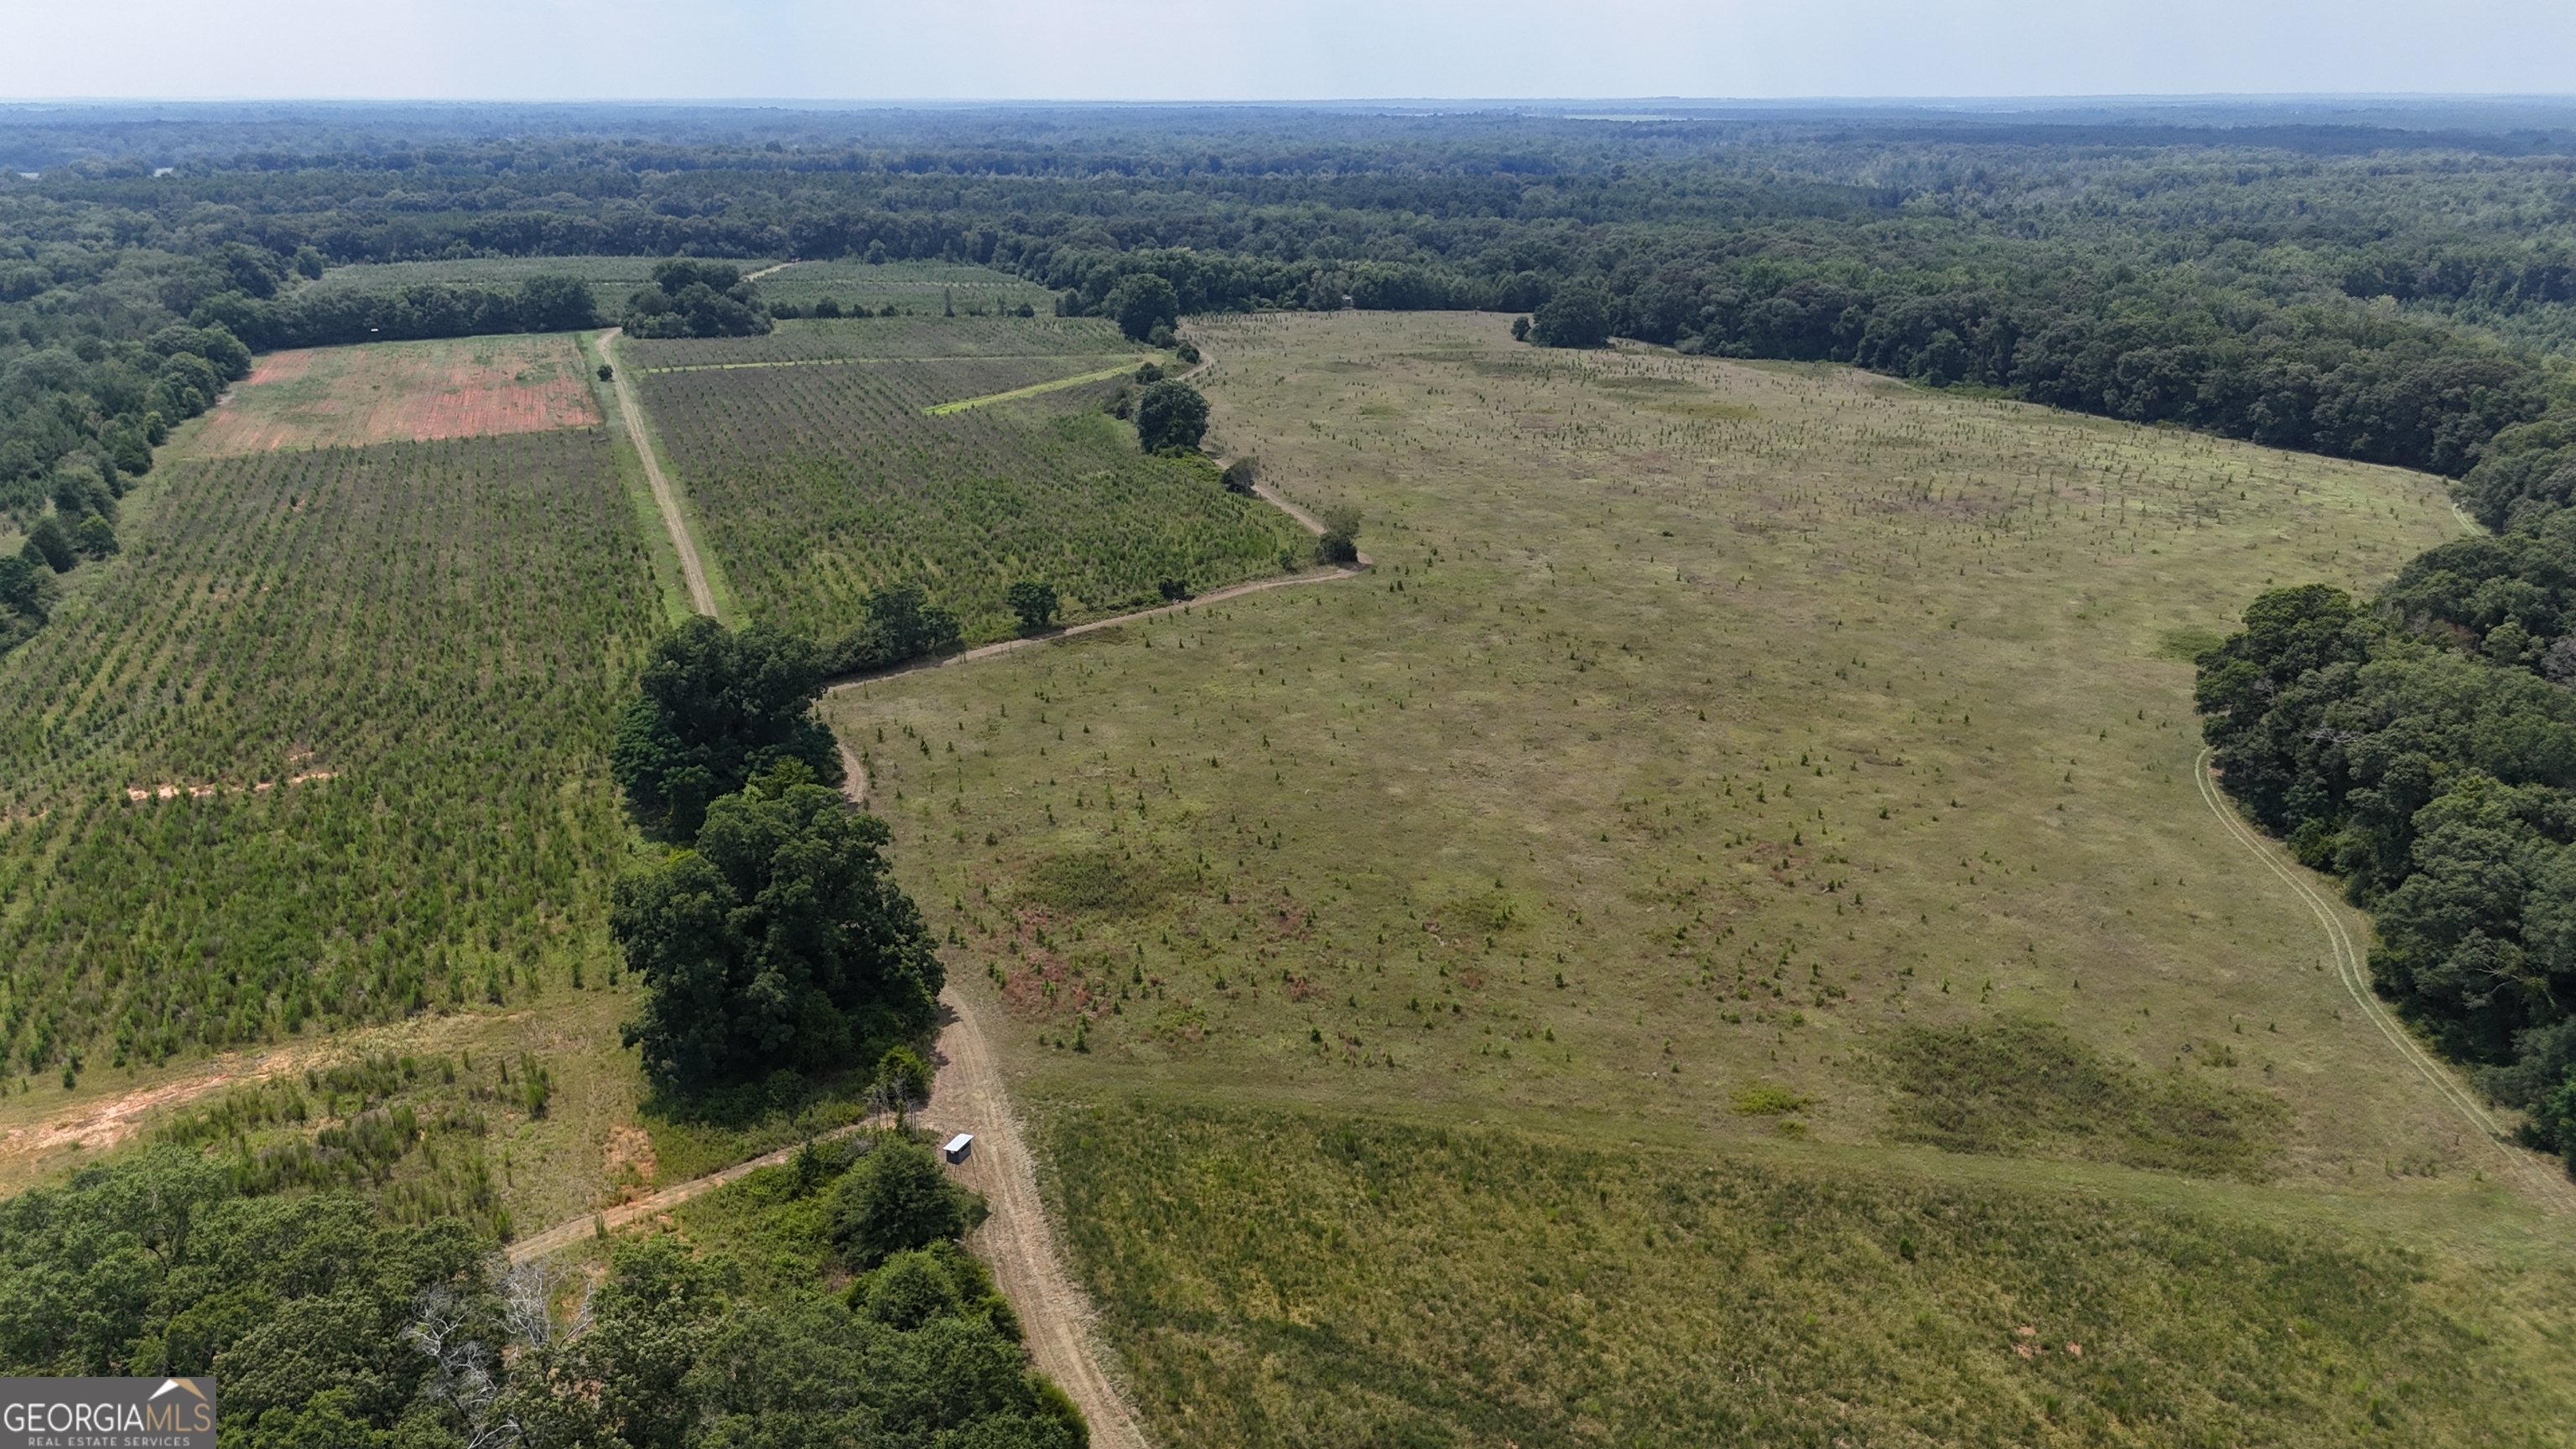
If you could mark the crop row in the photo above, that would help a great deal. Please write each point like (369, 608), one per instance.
(894, 337)
(819, 484)
(365, 696)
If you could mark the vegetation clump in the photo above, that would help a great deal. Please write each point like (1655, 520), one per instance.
(1170, 414)
(781, 938)
(713, 709)
(696, 299)
(2021, 1086)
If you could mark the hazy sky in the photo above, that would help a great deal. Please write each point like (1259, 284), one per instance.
(1289, 49)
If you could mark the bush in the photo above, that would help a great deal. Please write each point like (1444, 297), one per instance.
(1241, 474)
(902, 1072)
(899, 1198)
(1340, 541)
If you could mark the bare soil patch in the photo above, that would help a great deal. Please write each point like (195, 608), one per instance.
(396, 391)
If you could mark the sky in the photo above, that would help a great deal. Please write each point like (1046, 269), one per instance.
(1278, 50)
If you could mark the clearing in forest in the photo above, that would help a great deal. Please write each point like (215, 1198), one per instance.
(1776, 779)
(817, 484)
(384, 392)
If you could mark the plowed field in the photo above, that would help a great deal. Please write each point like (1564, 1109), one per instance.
(402, 392)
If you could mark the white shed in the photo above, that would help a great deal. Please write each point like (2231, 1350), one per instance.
(958, 1146)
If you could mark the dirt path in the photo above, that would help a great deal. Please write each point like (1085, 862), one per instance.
(664, 498)
(765, 271)
(2548, 1184)
(563, 1235)
(1215, 596)
(1018, 1240)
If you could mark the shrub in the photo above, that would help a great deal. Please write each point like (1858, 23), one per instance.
(1340, 541)
(902, 1072)
(897, 1199)
(1242, 473)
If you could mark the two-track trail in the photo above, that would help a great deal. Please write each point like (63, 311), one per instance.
(2551, 1187)
(665, 498)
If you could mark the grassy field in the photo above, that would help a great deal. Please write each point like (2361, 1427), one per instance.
(1289, 1279)
(914, 288)
(819, 483)
(612, 278)
(1743, 760)
(402, 391)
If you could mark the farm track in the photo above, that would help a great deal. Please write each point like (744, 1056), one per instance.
(632, 408)
(2551, 1187)
(969, 1093)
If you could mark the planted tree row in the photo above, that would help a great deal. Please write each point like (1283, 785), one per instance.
(328, 743)
(822, 485)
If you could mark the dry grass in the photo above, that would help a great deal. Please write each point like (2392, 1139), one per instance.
(1703, 727)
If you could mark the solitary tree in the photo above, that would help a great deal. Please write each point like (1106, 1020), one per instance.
(1034, 602)
(1170, 414)
(780, 940)
(1141, 303)
(1579, 315)
(716, 707)
(1340, 541)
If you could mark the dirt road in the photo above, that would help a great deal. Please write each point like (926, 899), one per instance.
(632, 409)
(2544, 1179)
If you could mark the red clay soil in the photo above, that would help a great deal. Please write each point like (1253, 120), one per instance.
(388, 392)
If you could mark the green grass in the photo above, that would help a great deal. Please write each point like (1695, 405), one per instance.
(1708, 736)
(1766, 734)
(611, 278)
(817, 484)
(913, 287)
(1302, 1279)
(2022, 1085)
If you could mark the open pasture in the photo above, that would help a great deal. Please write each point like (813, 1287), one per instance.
(1701, 724)
(325, 745)
(1281, 1278)
(1763, 761)
(817, 484)
(402, 392)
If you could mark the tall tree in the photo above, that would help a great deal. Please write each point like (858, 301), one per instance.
(1170, 414)
(780, 940)
(716, 707)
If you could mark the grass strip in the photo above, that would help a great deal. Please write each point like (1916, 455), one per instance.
(942, 410)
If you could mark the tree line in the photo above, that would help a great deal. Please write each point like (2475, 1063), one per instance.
(2422, 745)
(2365, 293)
